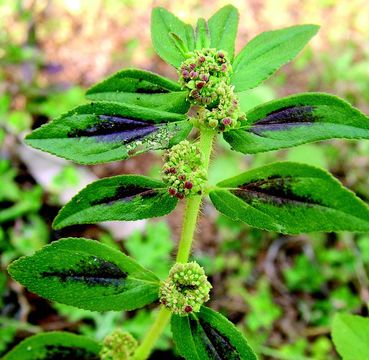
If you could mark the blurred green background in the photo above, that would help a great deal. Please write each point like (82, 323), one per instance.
(281, 291)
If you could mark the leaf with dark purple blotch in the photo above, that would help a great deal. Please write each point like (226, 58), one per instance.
(125, 197)
(106, 131)
(291, 198)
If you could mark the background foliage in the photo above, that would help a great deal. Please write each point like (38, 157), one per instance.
(281, 291)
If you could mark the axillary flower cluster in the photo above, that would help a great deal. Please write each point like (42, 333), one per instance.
(206, 74)
(183, 170)
(186, 289)
(119, 345)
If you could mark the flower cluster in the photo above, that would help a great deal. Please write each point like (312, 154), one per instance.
(225, 116)
(186, 289)
(202, 73)
(183, 170)
(206, 74)
(119, 345)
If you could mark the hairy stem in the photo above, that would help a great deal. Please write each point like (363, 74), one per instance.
(184, 248)
(144, 350)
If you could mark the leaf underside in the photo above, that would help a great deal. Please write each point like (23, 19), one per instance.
(267, 52)
(296, 120)
(291, 198)
(55, 345)
(208, 335)
(86, 274)
(106, 131)
(125, 197)
(143, 88)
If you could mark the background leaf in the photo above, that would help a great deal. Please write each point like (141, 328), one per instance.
(223, 29)
(125, 197)
(291, 198)
(55, 345)
(141, 88)
(296, 120)
(86, 274)
(267, 52)
(162, 24)
(209, 335)
(103, 131)
(351, 336)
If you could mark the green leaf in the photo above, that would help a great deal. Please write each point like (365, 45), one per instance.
(267, 52)
(105, 131)
(291, 198)
(179, 43)
(351, 336)
(143, 88)
(162, 24)
(223, 29)
(55, 345)
(86, 274)
(202, 35)
(125, 197)
(296, 120)
(208, 335)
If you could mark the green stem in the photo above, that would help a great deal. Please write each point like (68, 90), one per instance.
(184, 248)
(144, 350)
(193, 203)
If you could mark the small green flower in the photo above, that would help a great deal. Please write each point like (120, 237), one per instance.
(183, 171)
(119, 345)
(186, 289)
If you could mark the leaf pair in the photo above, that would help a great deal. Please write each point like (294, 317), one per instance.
(284, 197)
(258, 60)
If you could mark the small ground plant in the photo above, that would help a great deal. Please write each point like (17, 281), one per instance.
(134, 111)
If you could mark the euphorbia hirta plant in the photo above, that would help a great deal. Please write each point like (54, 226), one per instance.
(134, 111)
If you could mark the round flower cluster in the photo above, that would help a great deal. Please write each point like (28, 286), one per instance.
(183, 170)
(119, 345)
(225, 116)
(206, 74)
(186, 289)
(202, 73)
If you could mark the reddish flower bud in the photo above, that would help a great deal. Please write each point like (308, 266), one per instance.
(200, 85)
(172, 191)
(195, 94)
(188, 309)
(204, 77)
(202, 59)
(185, 74)
(182, 177)
(224, 67)
(227, 121)
(180, 196)
(192, 66)
(221, 54)
(194, 74)
(188, 185)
